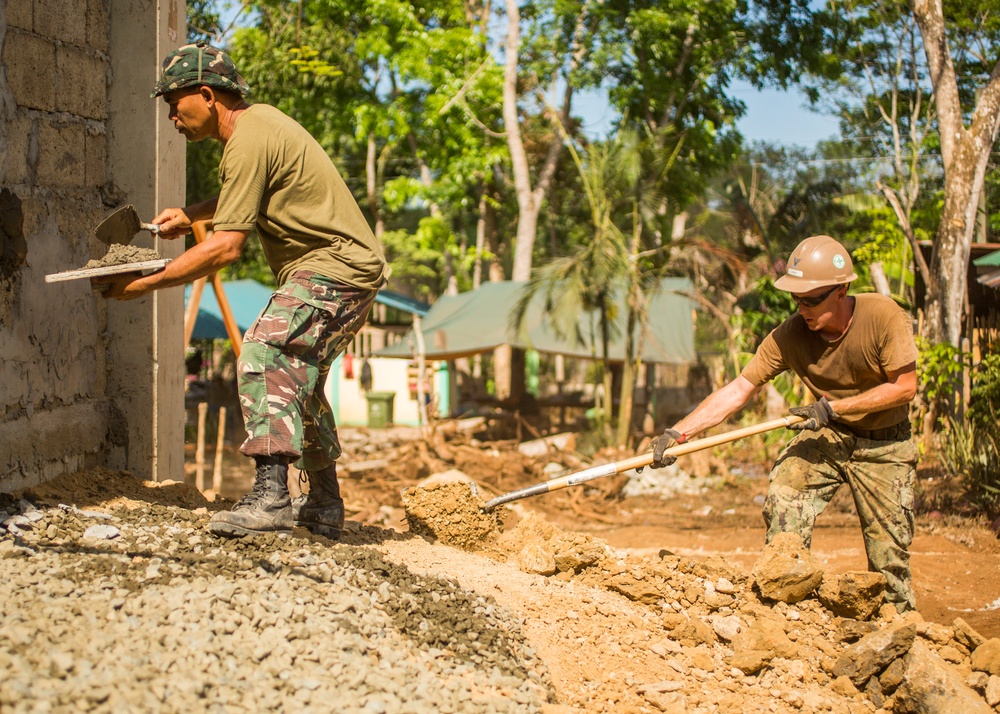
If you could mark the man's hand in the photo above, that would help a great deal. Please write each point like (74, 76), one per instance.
(660, 444)
(816, 415)
(173, 223)
(121, 286)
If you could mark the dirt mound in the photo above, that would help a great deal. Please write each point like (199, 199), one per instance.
(451, 513)
(107, 489)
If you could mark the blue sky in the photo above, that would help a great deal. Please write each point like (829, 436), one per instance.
(772, 115)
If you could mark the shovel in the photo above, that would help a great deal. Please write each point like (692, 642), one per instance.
(639, 461)
(122, 225)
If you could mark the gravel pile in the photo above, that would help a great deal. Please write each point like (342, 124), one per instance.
(140, 609)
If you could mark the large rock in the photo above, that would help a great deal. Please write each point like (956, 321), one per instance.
(856, 595)
(764, 635)
(986, 658)
(932, 686)
(786, 570)
(966, 635)
(874, 651)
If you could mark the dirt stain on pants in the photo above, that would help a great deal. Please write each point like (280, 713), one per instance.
(880, 475)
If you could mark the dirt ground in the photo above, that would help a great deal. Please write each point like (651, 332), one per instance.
(955, 563)
(589, 600)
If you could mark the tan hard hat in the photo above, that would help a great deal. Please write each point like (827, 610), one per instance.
(816, 262)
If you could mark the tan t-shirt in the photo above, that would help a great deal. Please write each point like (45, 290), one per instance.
(277, 177)
(879, 340)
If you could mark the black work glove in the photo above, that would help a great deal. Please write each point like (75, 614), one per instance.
(816, 415)
(664, 441)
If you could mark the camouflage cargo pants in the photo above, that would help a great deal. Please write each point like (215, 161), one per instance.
(286, 357)
(880, 475)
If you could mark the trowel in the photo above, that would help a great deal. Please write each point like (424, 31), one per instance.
(122, 225)
(117, 229)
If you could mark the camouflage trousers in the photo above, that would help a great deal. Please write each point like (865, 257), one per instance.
(282, 370)
(880, 475)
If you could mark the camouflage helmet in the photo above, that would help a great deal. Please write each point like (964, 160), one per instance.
(198, 64)
(816, 262)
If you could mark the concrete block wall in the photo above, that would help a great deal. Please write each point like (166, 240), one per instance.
(65, 353)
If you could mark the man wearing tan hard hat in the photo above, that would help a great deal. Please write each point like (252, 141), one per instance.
(857, 356)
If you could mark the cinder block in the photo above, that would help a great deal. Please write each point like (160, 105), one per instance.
(28, 60)
(98, 24)
(17, 161)
(97, 159)
(20, 14)
(81, 83)
(61, 152)
(63, 20)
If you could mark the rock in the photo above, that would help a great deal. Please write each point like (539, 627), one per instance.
(992, 691)
(986, 657)
(873, 690)
(693, 632)
(932, 631)
(764, 635)
(101, 532)
(844, 686)
(725, 627)
(751, 661)
(535, 558)
(950, 654)
(892, 676)
(668, 702)
(852, 630)
(786, 570)
(874, 651)
(661, 687)
(856, 595)
(635, 590)
(578, 552)
(966, 635)
(931, 686)
(978, 681)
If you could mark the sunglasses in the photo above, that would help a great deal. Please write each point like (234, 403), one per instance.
(814, 300)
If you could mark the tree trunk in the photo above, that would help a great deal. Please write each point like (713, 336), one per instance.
(879, 281)
(371, 183)
(965, 153)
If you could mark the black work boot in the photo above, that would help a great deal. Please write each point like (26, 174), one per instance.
(323, 510)
(266, 509)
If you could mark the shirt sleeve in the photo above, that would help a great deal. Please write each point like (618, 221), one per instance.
(243, 174)
(766, 364)
(899, 348)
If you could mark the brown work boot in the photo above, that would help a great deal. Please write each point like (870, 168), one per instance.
(322, 513)
(266, 509)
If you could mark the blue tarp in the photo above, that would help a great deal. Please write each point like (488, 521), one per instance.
(247, 298)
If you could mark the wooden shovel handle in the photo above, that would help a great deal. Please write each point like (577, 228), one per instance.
(639, 461)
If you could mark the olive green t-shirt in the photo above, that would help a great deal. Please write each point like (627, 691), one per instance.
(277, 178)
(879, 340)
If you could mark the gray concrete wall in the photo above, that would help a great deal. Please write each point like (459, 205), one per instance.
(84, 382)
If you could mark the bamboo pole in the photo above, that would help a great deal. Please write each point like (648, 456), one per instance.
(219, 444)
(199, 454)
(200, 230)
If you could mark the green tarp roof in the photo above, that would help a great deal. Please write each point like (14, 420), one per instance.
(990, 260)
(478, 321)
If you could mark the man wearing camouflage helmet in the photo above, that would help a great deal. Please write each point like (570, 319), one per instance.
(857, 356)
(277, 179)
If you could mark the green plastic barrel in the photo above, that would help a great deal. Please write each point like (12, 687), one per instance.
(380, 409)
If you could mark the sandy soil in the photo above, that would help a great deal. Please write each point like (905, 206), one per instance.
(605, 603)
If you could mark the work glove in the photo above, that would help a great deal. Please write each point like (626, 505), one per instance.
(816, 415)
(660, 444)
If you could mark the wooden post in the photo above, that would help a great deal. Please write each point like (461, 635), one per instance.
(199, 454)
(191, 312)
(418, 334)
(200, 230)
(219, 444)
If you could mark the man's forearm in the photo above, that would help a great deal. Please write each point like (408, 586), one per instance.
(202, 211)
(717, 407)
(197, 262)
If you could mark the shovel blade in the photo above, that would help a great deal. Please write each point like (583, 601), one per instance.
(120, 227)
